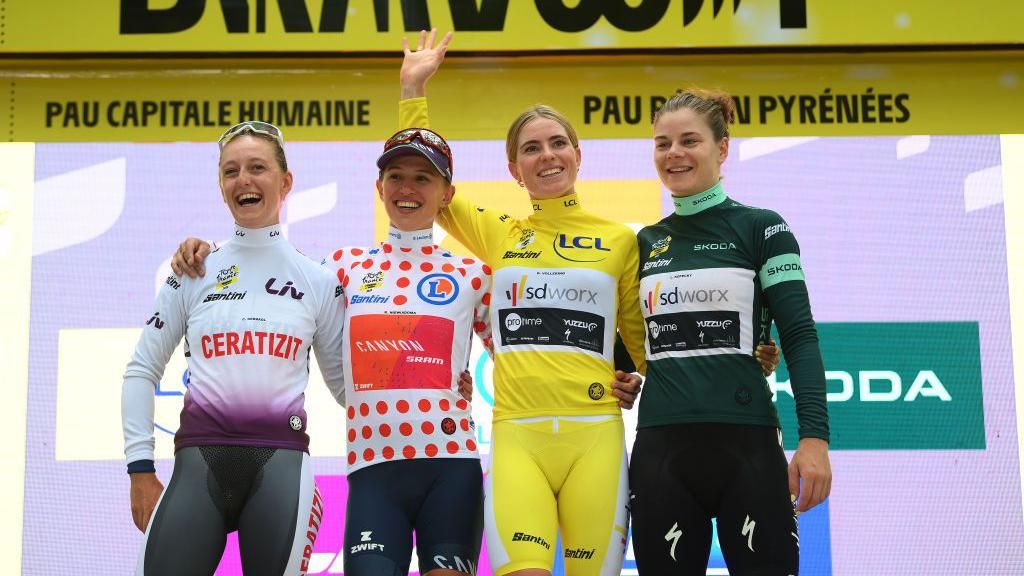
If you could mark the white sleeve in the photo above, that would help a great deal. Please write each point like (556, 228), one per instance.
(327, 341)
(160, 336)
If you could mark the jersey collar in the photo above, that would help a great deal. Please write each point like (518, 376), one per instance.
(410, 239)
(696, 203)
(557, 207)
(254, 237)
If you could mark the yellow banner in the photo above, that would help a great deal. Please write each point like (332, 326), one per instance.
(604, 97)
(33, 26)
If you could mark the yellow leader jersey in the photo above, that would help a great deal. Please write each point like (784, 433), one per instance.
(564, 280)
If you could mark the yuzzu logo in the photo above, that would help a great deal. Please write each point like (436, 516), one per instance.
(896, 386)
(548, 293)
(438, 289)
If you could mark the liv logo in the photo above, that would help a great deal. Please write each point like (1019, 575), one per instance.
(156, 321)
(438, 289)
(288, 288)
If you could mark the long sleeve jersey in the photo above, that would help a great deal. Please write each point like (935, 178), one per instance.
(713, 277)
(564, 279)
(249, 326)
(412, 309)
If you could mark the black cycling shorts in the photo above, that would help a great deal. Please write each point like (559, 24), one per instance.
(681, 476)
(440, 499)
(267, 494)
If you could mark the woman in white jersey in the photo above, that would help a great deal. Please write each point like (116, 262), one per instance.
(241, 451)
(411, 310)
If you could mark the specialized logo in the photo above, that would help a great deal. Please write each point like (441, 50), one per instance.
(295, 422)
(173, 282)
(227, 277)
(372, 281)
(673, 535)
(465, 566)
(656, 264)
(156, 321)
(773, 230)
(596, 391)
(520, 292)
(660, 247)
(524, 537)
(526, 238)
(288, 288)
(657, 329)
(224, 296)
(448, 426)
(579, 248)
(438, 289)
(748, 531)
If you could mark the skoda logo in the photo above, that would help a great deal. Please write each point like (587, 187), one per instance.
(596, 391)
(295, 422)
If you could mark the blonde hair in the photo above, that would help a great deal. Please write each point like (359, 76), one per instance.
(531, 114)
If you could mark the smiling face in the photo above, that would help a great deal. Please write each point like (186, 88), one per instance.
(546, 160)
(413, 192)
(252, 181)
(688, 158)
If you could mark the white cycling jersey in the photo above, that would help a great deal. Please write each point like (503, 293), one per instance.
(412, 308)
(248, 327)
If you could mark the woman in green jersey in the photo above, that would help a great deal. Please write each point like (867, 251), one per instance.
(708, 443)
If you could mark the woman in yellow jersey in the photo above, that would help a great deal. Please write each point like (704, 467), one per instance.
(564, 281)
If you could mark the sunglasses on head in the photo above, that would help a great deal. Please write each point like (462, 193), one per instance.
(251, 127)
(426, 136)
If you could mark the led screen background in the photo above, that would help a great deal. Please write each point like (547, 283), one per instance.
(902, 239)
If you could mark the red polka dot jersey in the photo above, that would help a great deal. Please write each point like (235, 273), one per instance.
(411, 310)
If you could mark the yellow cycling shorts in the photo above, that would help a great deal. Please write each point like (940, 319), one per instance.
(552, 473)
